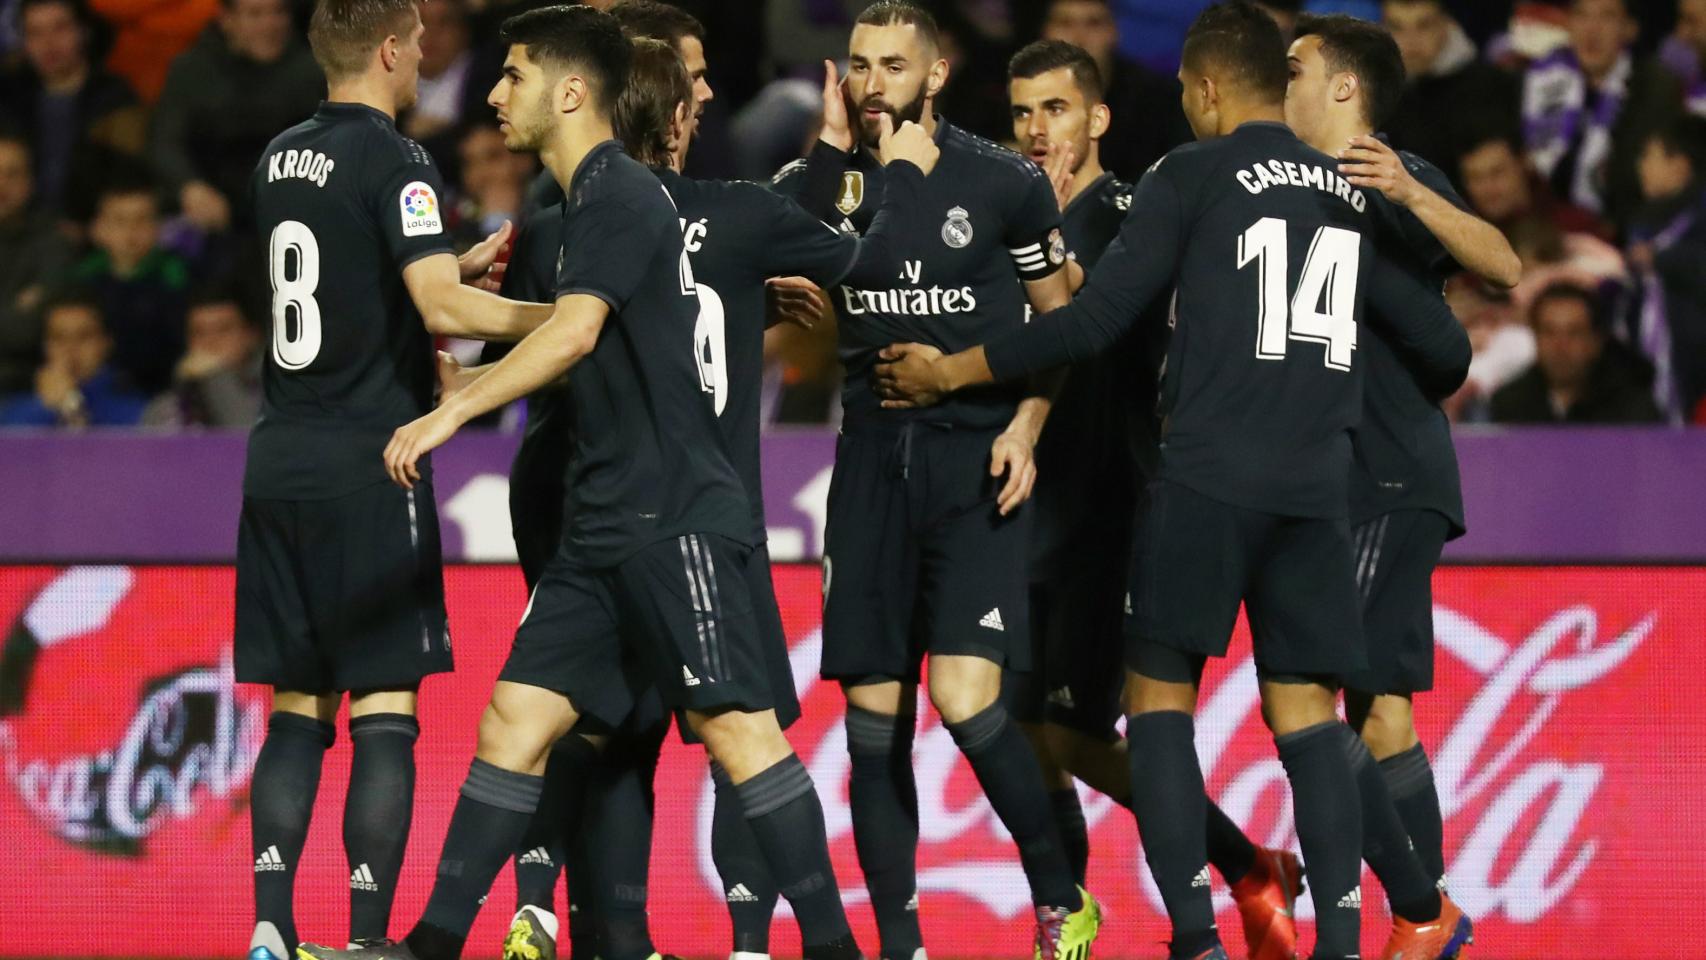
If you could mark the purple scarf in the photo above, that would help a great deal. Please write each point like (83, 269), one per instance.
(1555, 117)
(1652, 330)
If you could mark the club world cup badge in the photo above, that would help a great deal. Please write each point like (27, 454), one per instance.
(852, 192)
(956, 232)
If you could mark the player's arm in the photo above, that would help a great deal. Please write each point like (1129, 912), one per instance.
(1138, 265)
(452, 308)
(544, 355)
(1473, 242)
(1415, 318)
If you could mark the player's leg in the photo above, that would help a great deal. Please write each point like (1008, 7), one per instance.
(618, 832)
(543, 852)
(379, 806)
(275, 645)
(748, 889)
(1025, 693)
(1387, 725)
(870, 577)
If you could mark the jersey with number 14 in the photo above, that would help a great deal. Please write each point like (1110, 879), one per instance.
(344, 202)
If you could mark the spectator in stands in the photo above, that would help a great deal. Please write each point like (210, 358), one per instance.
(149, 34)
(218, 381)
(493, 186)
(1580, 375)
(31, 251)
(1667, 251)
(1450, 92)
(449, 91)
(248, 78)
(77, 384)
(1502, 344)
(1148, 120)
(78, 117)
(1588, 107)
(1499, 183)
(140, 287)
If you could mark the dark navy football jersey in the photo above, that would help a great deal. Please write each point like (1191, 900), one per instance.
(988, 219)
(1270, 252)
(738, 235)
(343, 202)
(1402, 452)
(649, 461)
(548, 436)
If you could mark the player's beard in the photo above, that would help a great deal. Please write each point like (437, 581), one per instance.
(869, 130)
(532, 132)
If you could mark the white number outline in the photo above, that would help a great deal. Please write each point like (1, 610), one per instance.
(295, 292)
(1330, 269)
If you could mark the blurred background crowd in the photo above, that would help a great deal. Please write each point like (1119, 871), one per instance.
(129, 293)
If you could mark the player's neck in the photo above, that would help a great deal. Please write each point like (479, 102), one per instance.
(365, 92)
(1234, 114)
(569, 145)
(1336, 133)
(1088, 172)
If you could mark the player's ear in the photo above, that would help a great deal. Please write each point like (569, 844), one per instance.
(1346, 86)
(936, 79)
(388, 52)
(1100, 117)
(572, 93)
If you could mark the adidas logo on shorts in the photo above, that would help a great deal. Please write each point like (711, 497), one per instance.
(1352, 900)
(1061, 697)
(362, 879)
(269, 861)
(538, 855)
(687, 676)
(992, 620)
(740, 894)
(1201, 879)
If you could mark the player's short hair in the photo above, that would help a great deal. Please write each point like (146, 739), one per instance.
(890, 13)
(562, 37)
(344, 33)
(1237, 40)
(1043, 56)
(657, 21)
(1352, 45)
(657, 85)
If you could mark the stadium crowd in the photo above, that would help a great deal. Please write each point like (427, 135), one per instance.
(128, 284)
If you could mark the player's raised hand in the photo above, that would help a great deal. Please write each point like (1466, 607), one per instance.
(414, 440)
(484, 264)
(910, 143)
(794, 300)
(907, 378)
(1014, 454)
(837, 131)
(1368, 162)
(1058, 166)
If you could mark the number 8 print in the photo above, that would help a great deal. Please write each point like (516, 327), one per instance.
(295, 348)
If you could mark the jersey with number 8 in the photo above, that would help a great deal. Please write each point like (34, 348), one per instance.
(343, 203)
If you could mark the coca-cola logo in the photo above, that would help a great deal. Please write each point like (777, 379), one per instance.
(1526, 850)
(188, 739)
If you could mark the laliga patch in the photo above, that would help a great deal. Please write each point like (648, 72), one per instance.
(420, 210)
(956, 232)
(1056, 247)
(852, 192)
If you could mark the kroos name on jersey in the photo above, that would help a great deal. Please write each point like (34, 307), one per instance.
(904, 301)
(307, 165)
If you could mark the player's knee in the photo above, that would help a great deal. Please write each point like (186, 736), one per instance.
(880, 696)
(963, 687)
(1389, 727)
(1145, 694)
(1290, 704)
(744, 744)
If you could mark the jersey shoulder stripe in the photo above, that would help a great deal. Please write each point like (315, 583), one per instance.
(990, 150)
(789, 171)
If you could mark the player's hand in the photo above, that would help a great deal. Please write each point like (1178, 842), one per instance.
(908, 377)
(1058, 166)
(484, 264)
(794, 300)
(414, 440)
(910, 143)
(1367, 162)
(837, 131)
(1014, 454)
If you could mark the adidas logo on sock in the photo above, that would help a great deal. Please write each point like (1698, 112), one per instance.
(687, 676)
(362, 879)
(269, 860)
(740, 894)
(1062, 697)
(912, 903)
(538, 855)
(1352, 900)
(1201, 879)
(992, 620)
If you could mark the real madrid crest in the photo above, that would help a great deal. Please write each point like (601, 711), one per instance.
(1056, 247)
(852, 192)
(956, 232)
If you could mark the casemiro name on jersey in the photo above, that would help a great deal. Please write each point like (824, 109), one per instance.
(1280, 173)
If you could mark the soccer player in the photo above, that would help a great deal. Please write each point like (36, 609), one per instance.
(738, 235)
(339, 582)
(655, 576)
(925, 553)
(1268, 249)
(1406, 500)
(1092, 463)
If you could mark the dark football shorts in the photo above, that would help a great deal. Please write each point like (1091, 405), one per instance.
(341, 594)
(680, 614)
(917, 558)
(1077, 670)
(1396, 554)
(1195, 559)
